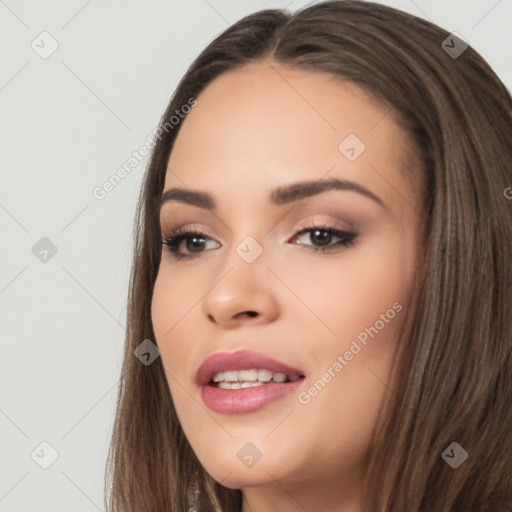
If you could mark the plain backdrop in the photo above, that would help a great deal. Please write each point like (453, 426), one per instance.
(68, 120)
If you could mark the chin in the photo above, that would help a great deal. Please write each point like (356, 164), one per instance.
(238, 478)
(236, 467)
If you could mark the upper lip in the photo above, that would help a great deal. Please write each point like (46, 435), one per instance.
(240, 360)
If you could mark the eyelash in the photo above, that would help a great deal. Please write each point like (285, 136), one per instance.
(172, 241)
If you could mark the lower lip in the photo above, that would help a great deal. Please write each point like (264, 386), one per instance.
(240, 401)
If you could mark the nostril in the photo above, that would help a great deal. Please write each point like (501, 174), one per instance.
(251, 314)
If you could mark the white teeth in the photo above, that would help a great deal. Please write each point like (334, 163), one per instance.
(238, 385)
(246, 377)
(250, 375)
(230, 376)
(264, 375)
(251, 384)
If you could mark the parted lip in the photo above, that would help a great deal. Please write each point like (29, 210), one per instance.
(240, 360)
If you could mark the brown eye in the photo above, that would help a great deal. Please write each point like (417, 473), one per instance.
(321, 238)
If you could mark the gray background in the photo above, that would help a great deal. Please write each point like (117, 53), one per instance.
(67, 123)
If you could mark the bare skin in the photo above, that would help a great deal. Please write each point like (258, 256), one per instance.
(255, 130)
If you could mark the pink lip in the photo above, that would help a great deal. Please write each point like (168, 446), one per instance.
(238, 401)
(241, 360)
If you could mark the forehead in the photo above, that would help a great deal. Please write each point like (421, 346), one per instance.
(264, 125)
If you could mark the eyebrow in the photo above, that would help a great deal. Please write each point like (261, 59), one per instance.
(280, 196)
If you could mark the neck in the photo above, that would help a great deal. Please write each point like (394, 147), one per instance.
(334, 495)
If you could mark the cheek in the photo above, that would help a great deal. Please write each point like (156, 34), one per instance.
(170, 305)
(362, 305)
(176, 295)
(347, 294)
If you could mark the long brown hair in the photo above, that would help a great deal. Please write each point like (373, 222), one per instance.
(452, 379)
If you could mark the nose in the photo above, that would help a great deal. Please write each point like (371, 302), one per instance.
(243, 293)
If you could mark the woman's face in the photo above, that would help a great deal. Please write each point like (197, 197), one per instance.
(251, 281)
